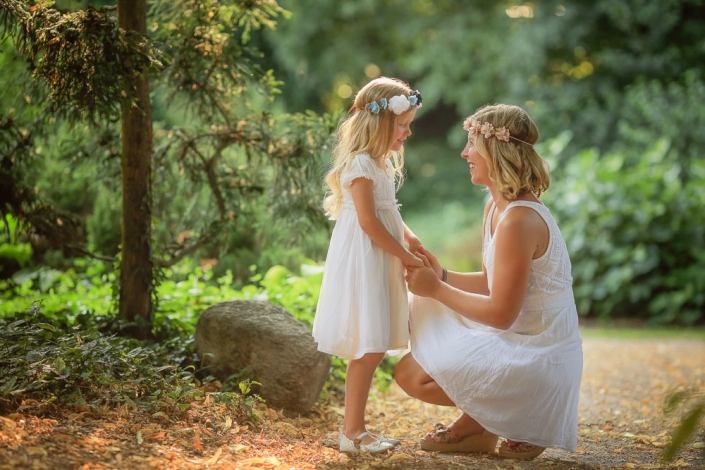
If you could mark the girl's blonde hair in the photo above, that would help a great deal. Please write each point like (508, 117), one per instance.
(514, 166)
(365, 132)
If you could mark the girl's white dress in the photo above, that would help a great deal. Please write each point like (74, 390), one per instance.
(363, 304)
(522, 383)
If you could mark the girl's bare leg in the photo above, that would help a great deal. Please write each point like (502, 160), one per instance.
(358, 380)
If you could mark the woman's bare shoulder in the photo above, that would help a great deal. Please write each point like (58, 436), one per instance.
(523, 219)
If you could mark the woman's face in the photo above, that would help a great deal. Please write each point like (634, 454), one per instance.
(403, 130)
(479, 170)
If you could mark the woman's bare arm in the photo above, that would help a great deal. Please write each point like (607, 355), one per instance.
(518, 234)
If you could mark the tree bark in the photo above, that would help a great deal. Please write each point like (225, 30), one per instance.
(136, 277)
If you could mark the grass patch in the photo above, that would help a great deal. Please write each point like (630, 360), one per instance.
(620, 329)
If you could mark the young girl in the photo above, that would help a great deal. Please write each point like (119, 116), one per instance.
(362, 309)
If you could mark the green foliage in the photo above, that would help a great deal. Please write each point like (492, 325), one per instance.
(73, 363)
(691, 406)
(104, 223)
(39, 360)
(185, 291)
(76, 302)
(224, 164)
(635, 230)
(86, 61)
(21, 253)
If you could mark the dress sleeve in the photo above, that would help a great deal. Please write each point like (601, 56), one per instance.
(362, 166)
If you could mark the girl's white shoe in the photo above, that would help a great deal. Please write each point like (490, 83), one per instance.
(355, 446)
(391, 440)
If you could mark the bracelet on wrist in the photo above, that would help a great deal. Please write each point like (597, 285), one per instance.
(444, 277)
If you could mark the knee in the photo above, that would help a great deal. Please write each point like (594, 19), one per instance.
(370, 360)
(403, 375)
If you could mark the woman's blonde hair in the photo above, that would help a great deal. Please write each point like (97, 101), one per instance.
(514, 166)
(365, 132)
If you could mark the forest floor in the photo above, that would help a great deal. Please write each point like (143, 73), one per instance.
(622, 424)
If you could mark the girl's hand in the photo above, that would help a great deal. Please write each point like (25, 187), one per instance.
(413, 261)
(414, 244)
(432, 261)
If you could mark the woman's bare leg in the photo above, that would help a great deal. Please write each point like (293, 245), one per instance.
(358, 380)
(417, 383)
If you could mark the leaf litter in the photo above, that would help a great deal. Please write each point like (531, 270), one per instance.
(622, 425)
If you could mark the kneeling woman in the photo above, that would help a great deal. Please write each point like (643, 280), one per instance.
(502, 345)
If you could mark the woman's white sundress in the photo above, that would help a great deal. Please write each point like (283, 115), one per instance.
(363, 304)
(521, 383)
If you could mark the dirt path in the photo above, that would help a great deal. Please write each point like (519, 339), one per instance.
(622, 425)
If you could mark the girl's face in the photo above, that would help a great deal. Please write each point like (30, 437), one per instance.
(403, 130)
(478, 165)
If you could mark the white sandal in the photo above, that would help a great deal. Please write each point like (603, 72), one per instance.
(354, 446)
(391, 440)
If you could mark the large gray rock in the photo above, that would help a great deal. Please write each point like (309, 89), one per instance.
(277, 350)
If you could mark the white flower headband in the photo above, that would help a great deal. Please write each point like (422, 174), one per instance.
(488, 130)
(397, 104)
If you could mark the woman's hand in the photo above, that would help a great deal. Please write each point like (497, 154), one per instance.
(422, 281)
(432, 260)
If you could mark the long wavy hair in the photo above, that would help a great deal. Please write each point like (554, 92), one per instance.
(365, 132)
(514, 166)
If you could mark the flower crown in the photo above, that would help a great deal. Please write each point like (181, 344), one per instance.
(397, 104)
(488, 130)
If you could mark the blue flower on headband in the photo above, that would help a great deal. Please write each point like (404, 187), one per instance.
(413, 100)
(384, 103)
(373, 107)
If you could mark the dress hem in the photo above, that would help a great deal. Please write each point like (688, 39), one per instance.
(492, 429)
(358, 355)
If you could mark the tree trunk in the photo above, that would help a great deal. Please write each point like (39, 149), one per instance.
(136, 265)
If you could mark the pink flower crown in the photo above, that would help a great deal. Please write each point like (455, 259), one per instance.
(488, 130)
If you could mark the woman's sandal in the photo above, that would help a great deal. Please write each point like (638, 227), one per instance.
(444, 439)
(519, 450)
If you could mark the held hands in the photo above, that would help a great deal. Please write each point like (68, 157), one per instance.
(423, 280)
(433, 261)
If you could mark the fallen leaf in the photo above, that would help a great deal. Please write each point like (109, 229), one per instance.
(236, 447)
(197, 440)
(33, 450)
(213, 460)
(396, 457)
(260, 461)
(228, 423)
(11, 425)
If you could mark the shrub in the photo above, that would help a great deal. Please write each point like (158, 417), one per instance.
(635, 231)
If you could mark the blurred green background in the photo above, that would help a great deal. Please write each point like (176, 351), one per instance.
(616, 88)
